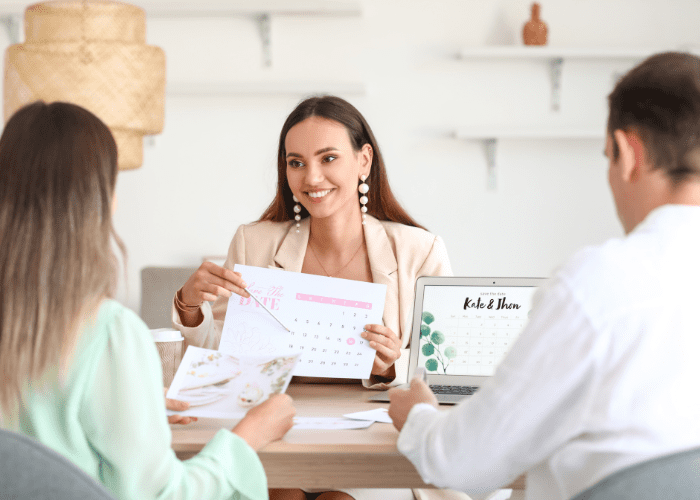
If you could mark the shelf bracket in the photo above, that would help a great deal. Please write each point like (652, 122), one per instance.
(11, 24)
(490, 152)
(265, 31)
(555, 66)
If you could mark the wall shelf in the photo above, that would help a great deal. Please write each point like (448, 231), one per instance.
(260, 11)
(280, 88)
(247, 7)
(225, 7)
(515, 133)
(549, 52)
(490, 135)
(555, 57)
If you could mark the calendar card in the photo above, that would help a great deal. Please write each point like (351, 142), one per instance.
(469, 330)
(220, 385)
(325, 317)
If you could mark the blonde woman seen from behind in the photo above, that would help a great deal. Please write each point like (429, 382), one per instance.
(80, 372)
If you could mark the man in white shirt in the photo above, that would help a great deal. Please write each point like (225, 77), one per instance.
(606, 373)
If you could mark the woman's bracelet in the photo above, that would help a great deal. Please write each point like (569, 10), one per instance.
(182, 306)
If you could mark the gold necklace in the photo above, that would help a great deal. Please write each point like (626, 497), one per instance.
(339, 270)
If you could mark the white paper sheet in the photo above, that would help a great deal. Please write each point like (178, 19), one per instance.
(221, 385)
(325, 316)
(329, 423)
(376, 415)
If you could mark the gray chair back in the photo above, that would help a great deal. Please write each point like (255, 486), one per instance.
(29, 470)
(158, 287)
(673, 477)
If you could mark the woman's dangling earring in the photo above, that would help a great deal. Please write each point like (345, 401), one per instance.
(297, 209)
(363, 189)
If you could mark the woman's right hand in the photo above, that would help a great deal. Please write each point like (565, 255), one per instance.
(211, 281)
(267, 422)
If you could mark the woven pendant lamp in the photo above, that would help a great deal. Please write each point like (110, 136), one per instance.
(94, 54)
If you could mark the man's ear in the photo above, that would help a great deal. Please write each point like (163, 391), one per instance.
(632, 154)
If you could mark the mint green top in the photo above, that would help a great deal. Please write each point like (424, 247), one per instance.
(109, 419)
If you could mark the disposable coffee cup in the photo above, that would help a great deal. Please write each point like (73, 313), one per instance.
(169, 343)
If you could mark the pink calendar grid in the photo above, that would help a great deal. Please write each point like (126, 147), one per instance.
(331, 300)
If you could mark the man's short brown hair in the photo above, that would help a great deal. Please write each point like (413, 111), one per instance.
(660, 100)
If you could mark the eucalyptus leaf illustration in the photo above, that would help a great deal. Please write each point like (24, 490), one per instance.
(430, 346)
(437, 337)
(431, 365)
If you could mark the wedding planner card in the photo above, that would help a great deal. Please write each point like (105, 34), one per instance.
(221, 385)
(468, 330)
(325, 317)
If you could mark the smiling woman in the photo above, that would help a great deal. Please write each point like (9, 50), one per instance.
(340, 124)
(333, 214)
(325, 179)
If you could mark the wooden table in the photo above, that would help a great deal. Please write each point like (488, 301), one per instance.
(366, 458)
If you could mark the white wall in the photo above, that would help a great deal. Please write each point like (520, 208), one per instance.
(213, 167)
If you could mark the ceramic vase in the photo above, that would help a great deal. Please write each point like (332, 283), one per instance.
(535, 30)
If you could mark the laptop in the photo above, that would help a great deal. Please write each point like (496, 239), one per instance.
(462, 328)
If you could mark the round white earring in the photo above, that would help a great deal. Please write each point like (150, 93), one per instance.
(363, 189)
(297, 210)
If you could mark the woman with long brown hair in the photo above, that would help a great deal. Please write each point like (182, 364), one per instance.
(80, 372)
(334, 214)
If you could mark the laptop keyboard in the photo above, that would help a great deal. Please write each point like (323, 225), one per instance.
(462, 390)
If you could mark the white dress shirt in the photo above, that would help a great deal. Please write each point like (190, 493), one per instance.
(605, 374)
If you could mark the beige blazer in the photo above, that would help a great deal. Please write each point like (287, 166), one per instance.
(398, 254)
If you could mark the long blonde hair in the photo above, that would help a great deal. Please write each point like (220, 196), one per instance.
(58, 170)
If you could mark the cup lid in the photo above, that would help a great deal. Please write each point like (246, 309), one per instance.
(166, 335)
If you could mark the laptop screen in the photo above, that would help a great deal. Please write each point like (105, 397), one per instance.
(467, 330)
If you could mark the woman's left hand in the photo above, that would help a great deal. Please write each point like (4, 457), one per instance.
(388, 347)
(177, 405)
